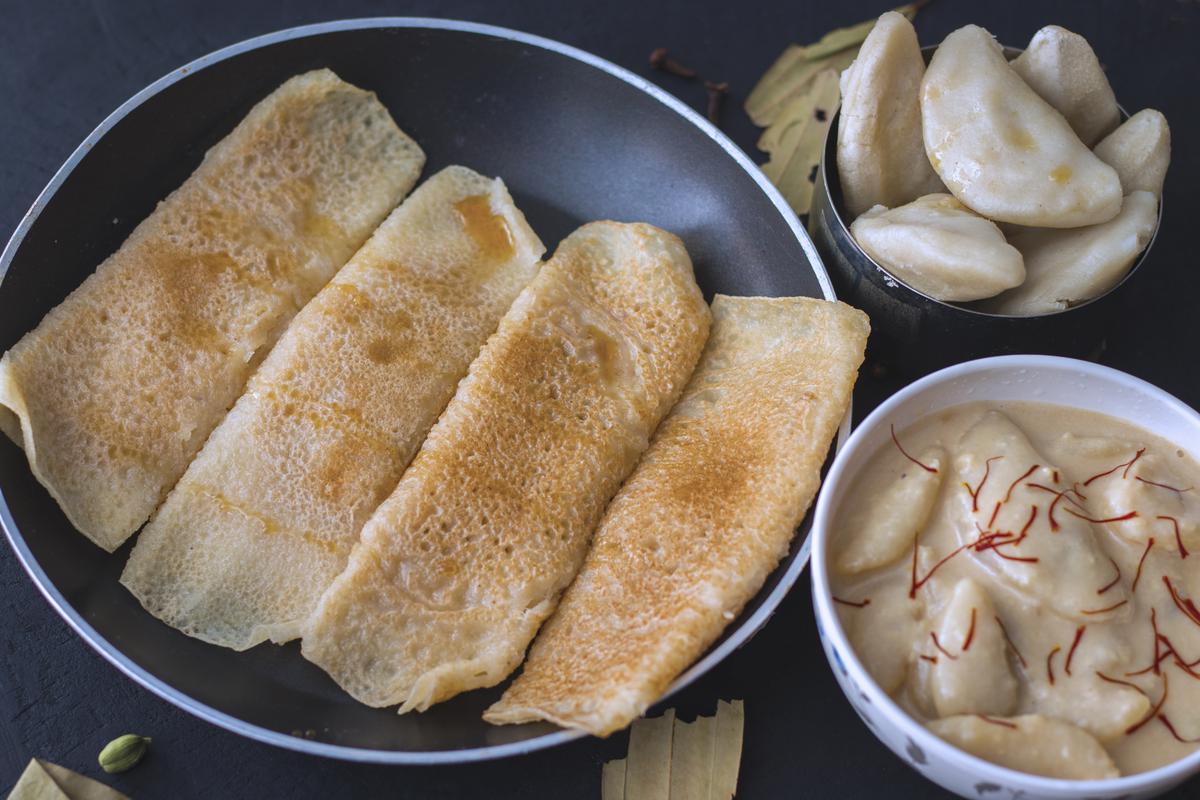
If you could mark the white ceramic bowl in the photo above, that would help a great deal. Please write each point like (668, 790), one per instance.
(1044, 379)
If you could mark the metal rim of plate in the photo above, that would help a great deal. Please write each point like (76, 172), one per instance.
(231, 723)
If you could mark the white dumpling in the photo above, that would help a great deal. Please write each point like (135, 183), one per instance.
(1030, 743)
(1066, 267)
(941, 248)
(973, 675)
(1063, 69)
(880, 153)
(1001, 149)
(1074, 444)
(884, 530)
(1102, 708)
(1057, 563)
(1168, 509)
(882, 632)
(1140, 151)
(1183, 703)
(1190, 580)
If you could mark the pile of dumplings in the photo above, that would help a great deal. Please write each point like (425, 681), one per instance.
(1013, 184)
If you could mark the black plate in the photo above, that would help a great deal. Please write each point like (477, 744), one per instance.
(574, 137)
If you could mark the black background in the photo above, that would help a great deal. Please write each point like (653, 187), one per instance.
(65, 65)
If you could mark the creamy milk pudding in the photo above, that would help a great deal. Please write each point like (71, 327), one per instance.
(1020, 578)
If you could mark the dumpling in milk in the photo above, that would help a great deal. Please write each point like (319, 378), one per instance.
(972, 674)
(884, 530)
(1063, 69)
(1102, 708)
(1066, 267)
(941, 248)
(1168, 509)
(1030, 743)
(1053, 561)
(1075, 444)
(1001, 149)
(881, 156)
(1139, 151)
(883, 638)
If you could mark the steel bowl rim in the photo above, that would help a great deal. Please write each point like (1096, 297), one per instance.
(185, 702)
(953, 307)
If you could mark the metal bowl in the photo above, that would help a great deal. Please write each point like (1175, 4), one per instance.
(575, 138)
(915, 333)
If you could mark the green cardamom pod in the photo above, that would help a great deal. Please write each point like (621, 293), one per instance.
(123, 753)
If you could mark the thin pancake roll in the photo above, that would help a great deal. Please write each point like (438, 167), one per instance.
(117, 388)
(461, 564)
(265, 517)
(709, 512)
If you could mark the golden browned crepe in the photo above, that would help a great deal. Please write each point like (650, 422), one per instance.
(457, 569)
(703, 520)
(265, 517)
(118, 387)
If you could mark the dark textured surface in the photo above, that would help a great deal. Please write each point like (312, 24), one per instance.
(63, 67)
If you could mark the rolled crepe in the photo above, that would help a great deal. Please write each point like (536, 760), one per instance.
(703, 520)
(119, 385)
(264, 518)
(461, 564)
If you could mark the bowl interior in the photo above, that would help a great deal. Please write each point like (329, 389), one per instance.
(574, 139)
(1044, 379)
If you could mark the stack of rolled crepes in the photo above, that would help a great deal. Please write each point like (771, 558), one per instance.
(411, 472)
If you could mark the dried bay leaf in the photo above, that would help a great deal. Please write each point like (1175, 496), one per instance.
(789, 74)
(757, 100)
(612, 780)
(791, 55)
(781, 139)
(796, 181)
(36, 784)
(648, 766)
(795, 101)
(692, 752)
(42, 780)
(853, 36)
(727, 758)
(794, 83)
(674, 760)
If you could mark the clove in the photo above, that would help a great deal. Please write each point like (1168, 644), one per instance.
(716, 96)
(660, 60)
